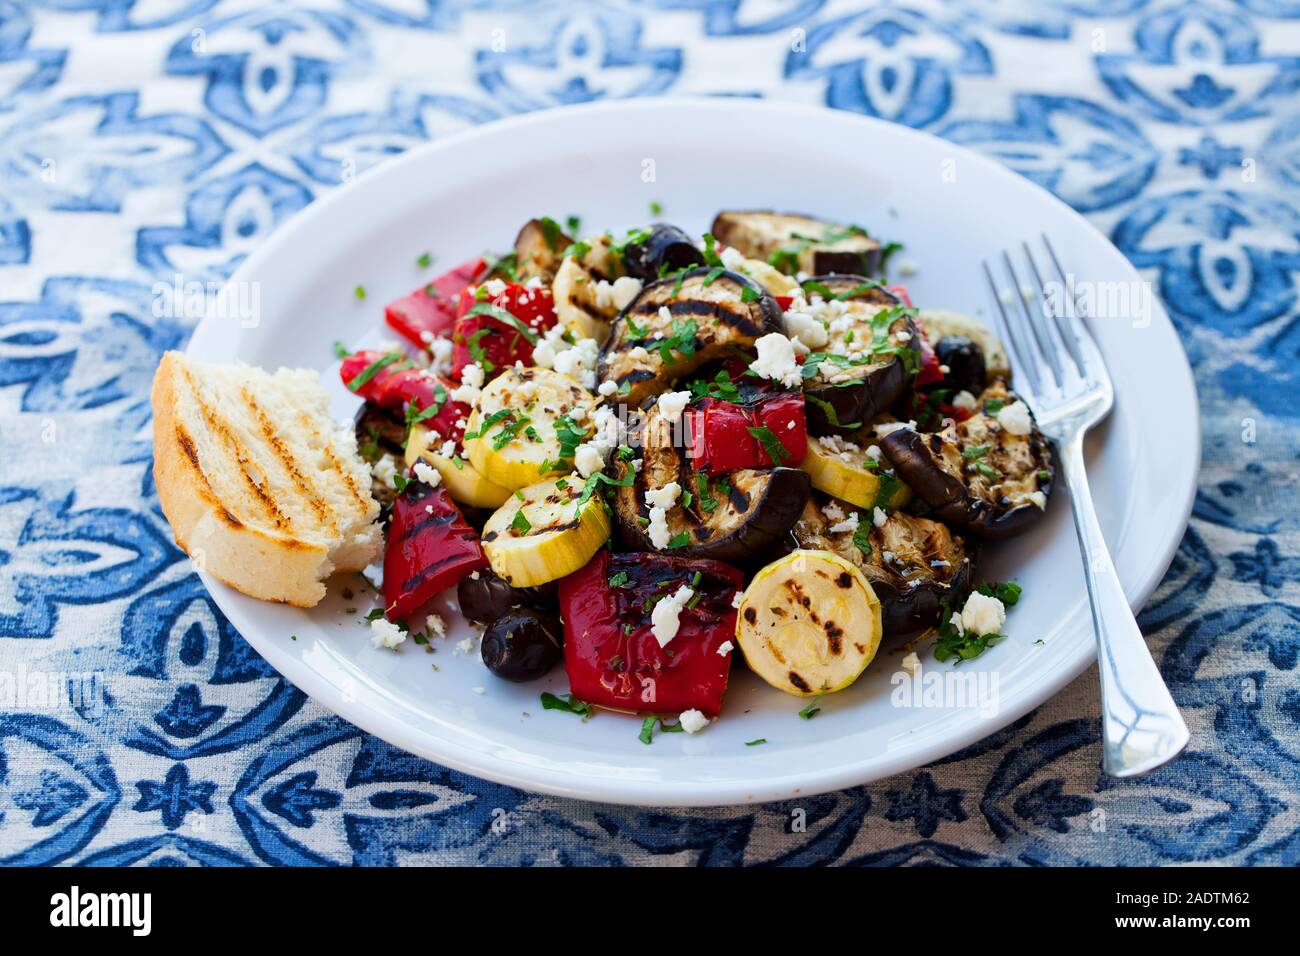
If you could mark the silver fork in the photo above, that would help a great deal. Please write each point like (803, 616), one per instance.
(1141, 725)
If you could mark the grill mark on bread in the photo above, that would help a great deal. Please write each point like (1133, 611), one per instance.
(217, 426)
(191, 453)
(301, 483)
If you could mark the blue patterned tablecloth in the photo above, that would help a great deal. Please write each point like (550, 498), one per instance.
(142, 139)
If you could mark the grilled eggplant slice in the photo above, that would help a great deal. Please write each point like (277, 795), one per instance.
(978, 474)
(539, 250)
(795, 243)
(913, 564)
(939, 324)
(872, 356)
(666, 249)
(734, 518)
(677, 324)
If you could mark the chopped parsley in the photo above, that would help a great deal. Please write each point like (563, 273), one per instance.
(425, 260)
(504, 317)
(1008, 592)
(812, 710)
(373, 369)
(618, 580)
(551, 232)
(340, 350)
(567, 703)
(829, 410)
(771, 444)
(359, 292)
(521, 522)
(755, 743)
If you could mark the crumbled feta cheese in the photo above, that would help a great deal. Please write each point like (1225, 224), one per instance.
(617, 294)
(664, 497)
(665, 618)
(448, 449)
(776, 360)
(384, 633)
(479, 690)
(579, 361)
(878, 517)
(436, 625)
(725, 648)
(494, 287)
(638, 353)
(588, 459)
(833, 511)
(1015, 418)
(466, 646)
(806, 329)
(439, 353)
(873, 452)
(385, 470)
(911, 664)
(471, 383)
(732, 258)
(903, 335)
(737, 598)
(887, 557)
(983, 614)
(426, 474)
(672, 404)
(965, 400)
(658, 528)
(665, 316)
(908, 267)
(692, 721)
(608, 388)
(848, 524)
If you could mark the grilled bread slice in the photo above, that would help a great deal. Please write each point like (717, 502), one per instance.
(261, 487)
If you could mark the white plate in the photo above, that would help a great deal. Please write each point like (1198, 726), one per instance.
(949, 206)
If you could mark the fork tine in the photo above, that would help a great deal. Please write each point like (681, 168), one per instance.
(1004, 330)
(1059, 322)
(1075, 321)
(1045, 348)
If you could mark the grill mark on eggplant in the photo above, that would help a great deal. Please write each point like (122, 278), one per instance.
(798, 681)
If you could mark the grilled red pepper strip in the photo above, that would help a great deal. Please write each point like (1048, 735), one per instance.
(428, 551)
(499, 330)
(611, 653)
(726, 436)
(430, 311)
(393, 384)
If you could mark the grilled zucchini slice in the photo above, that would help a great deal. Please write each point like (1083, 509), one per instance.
(516, 433)
(679, 323)
(809, 623)
(545, 532)
(851, 476)
(465, 483)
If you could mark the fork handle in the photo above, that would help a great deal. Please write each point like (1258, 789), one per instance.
(1141, 726)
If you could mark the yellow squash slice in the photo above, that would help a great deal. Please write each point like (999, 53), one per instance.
(465, 483)
(542, 533)
(809, 623)
(515, 433)
(852, 482)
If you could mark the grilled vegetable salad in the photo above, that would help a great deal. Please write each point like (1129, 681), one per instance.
(650, 455)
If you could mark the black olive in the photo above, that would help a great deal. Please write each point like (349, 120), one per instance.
(666, 249)
(522, 644)
(965, 361)
(485, 598)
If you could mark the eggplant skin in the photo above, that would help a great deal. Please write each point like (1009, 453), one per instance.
(915, 457)
(666, 249)
(757, 511)
(964, 359)
(856, 396)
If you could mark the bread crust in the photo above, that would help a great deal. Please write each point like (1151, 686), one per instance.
(257, 562)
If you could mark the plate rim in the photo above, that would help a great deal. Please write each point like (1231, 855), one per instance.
(682, 793)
